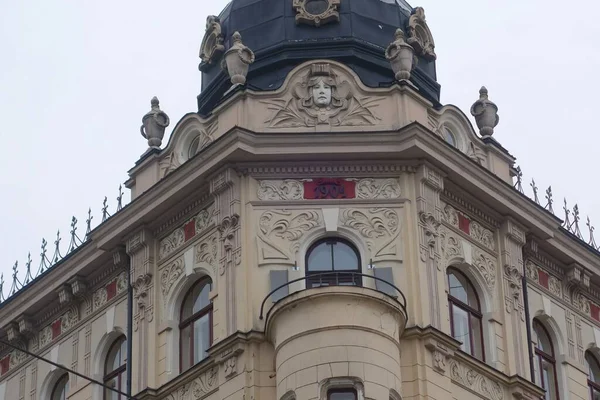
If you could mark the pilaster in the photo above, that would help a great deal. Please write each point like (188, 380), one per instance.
(141, 249)
(512, 240)
(429, 185)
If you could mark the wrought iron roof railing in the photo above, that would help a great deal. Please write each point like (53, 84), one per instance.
(46, 262)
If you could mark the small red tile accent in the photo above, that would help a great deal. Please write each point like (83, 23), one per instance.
(328, 188)
(111, 290)
(543, 278)
(4, 365)
(464, 224)
(595, 311)
(56, 329)
(189, 230)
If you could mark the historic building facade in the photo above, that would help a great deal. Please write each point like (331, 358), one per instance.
(321, 228)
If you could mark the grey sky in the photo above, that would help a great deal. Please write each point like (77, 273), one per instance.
(77, 76)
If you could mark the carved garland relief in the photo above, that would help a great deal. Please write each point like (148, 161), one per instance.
(187, 231)
(322, 97)
(367, 189)
(455, 218)
(473, 380)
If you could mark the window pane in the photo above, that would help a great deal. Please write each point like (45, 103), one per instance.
(460, 324)
(116, 356)
(342, 395)
(543, 341)
(61, 388)
(548, 376)
(201, 338)
(595, 394)
(109, 394)
(319, 258)
(201, 296)
(592, 367)
(186, 347)
(457, 290)
(344, 257)
(476, 335)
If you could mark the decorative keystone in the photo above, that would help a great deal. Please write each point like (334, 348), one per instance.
(485, 113)
(401, 56)
(237, 60)
(154, 124)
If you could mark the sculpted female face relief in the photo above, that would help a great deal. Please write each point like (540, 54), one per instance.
(321, 94)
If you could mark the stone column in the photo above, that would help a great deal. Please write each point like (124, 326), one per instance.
(225, 187)
(429, 185)
(141, 248)
(512, 240)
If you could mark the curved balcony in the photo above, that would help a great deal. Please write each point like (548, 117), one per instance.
(338, 331)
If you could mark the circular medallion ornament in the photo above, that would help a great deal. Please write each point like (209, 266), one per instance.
(317, 12)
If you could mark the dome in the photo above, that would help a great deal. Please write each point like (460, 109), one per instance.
(286, 33)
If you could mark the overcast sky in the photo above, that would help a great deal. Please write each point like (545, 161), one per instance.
(77, 76)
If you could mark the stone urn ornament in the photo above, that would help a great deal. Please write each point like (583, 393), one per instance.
(237, 60)
(401, 56)
(485, 113)
(154, 124)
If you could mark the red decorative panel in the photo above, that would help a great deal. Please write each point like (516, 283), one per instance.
(189, 230)
(543, 278)
(111, 290)
(464, 224)
(595, 311)
(328, 188)
(4, 365)
(56, 328)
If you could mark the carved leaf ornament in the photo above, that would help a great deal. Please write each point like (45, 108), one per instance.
(375, 223)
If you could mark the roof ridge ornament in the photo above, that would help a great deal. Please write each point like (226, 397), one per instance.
(212, 46)
(419, 35)
(154, 123)
(237, 60)
(401, 56)
(317, 12)
(486, 113)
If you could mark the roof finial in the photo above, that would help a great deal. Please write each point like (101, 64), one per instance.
(237, 60)
(401, 56)
(485, 113)
(154, 123)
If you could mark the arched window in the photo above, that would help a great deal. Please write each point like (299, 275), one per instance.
(545, 368)
(114, 369)
(341, 394)
(593, 368)
(195, 324)
(332, 255)
(465, 314)
(61, 388)
(450, 137)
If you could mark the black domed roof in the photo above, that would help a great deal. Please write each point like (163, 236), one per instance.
(359, 39)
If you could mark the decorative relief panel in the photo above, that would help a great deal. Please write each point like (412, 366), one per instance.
(186, 232)
(473, 380)
(419, 35)
(450, 246)
(475, 230)
(212, 44)
(367, 189)
(59, 326)
(206, 252)
(323, 96)
(280, 232)
(379, 226)
(197, 389)
(486, 266)
(316, 12)
(170, 275)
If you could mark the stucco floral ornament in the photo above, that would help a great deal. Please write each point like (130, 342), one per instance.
(212, 44)
(154, 124)
(321, 98)
(485, 113)
(317, 12)
(401, 56)
(237, 60)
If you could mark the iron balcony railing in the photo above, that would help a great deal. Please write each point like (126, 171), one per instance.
(317, 278)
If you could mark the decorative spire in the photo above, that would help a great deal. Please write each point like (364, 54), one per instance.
(592, 241)
(154, 123)
(567, 221)
(57, 256)
(549, 200)
(28, 276)
(105, 213)
(74, 238)
(485, 113)
(16, 284)
(575, 225)
(519, 184)
(45, 262)
(120, 198)
(88, 223)
(2, 288)
(535, 191)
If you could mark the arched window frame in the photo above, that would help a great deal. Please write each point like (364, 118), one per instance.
(119, 372)
(541, 357)
(473, 314)
(61, 388)
(334, 279)
(593, 378)
(189, 321)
